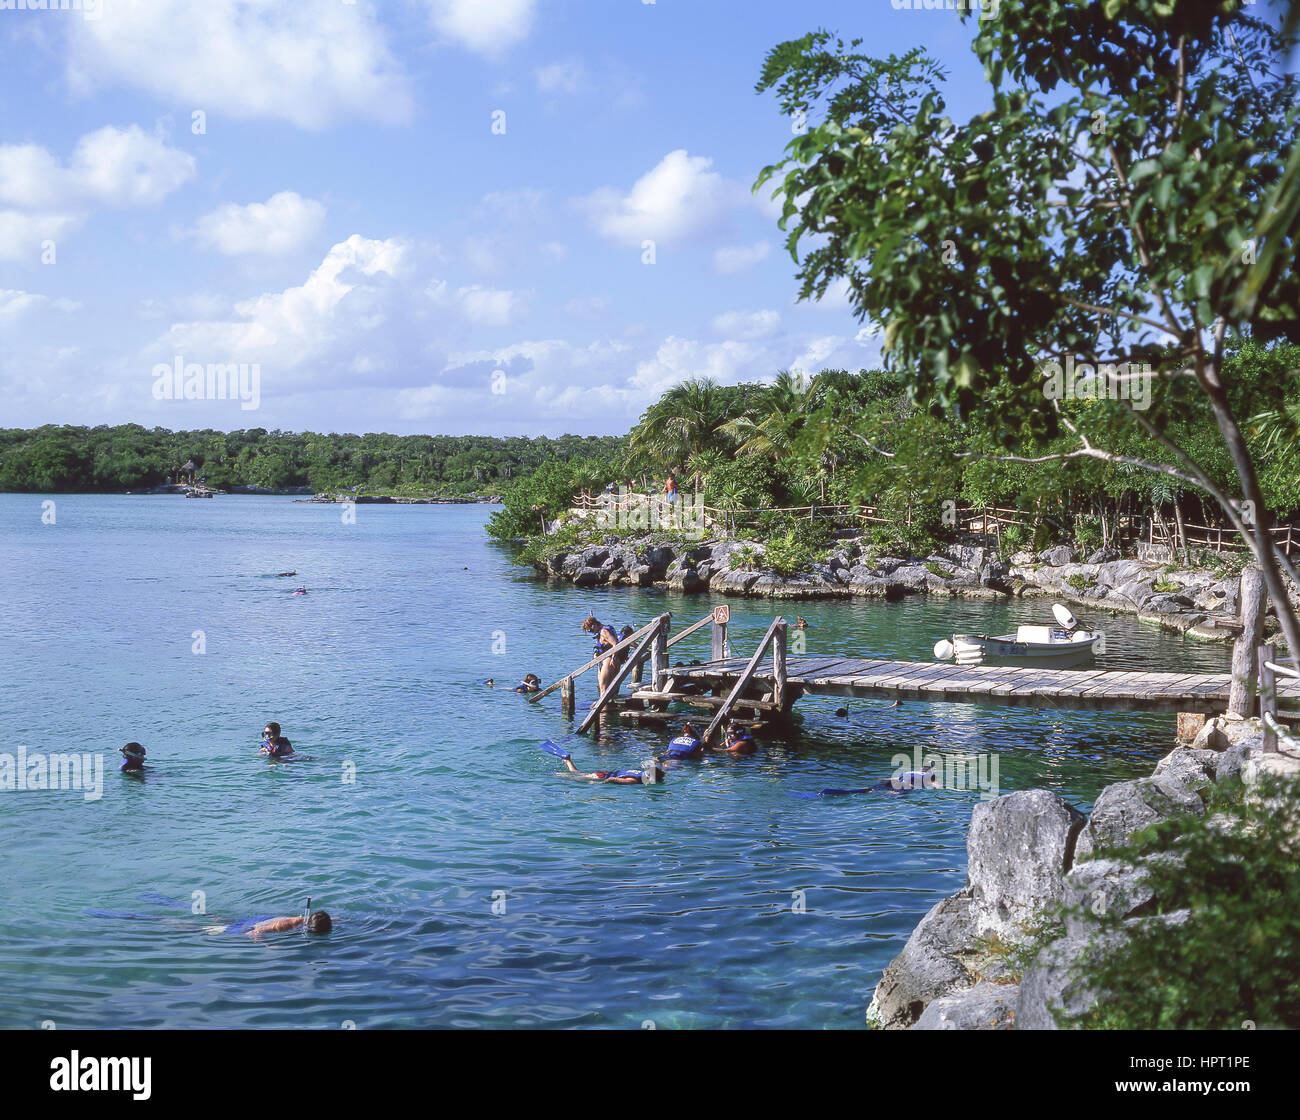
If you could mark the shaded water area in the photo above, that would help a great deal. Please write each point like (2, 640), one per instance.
(470, 885)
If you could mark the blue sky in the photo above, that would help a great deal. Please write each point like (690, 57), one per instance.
(344, 215)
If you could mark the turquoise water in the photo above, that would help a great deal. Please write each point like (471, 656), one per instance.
(674, 904)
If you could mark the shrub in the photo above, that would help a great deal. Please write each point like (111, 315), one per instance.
(1233, 878)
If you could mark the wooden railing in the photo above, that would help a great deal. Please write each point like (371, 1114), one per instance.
(776, 638)
(1269, 668)
(985, 521)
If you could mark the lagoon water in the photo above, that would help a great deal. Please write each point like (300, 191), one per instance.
(470, 886)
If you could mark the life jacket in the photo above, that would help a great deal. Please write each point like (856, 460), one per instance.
(683, 747)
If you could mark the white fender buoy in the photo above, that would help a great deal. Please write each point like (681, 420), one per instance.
(943, 649)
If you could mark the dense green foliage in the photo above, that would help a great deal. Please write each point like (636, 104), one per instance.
(65, 458)
(1226, 958)
(1109, 209)
(858, 439)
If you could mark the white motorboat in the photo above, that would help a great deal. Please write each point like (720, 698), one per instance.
(1069, 643)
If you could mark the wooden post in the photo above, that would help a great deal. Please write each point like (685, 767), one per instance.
(1267, 698)
(721, 616)
(778, 663)
(659, 654)
(567, 697)
(1241, 695)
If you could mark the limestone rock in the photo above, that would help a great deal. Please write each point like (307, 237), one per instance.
(985, 1007)
(1018, 852)
(929, 966)
(1125, 807)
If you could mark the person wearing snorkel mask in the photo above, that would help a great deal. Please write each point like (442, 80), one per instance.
(650, 774)
(274, 744)
(132, 758)
(529, 684)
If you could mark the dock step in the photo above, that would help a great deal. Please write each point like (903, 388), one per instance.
(702, 701)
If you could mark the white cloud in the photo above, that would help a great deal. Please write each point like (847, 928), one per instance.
(678, 359)
(283, 224)
(309, 64)
(14, 304)
(731, 259)
(746, 324)
(487, 27)
(21, 235)
(484, 307)
(560, 77)
(322, 325)
(43, 199)
(109, 167)
(554, 250)
(836, 298)
(679, 198)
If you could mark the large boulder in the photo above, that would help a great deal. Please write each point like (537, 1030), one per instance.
(985, 1007)
(591, 577)
(1050, 986)
(1018, 851)
(1190, 767)
(1125, 807)
(1100, 887)
(932, 964)
(1232, 761)
(1060, 555)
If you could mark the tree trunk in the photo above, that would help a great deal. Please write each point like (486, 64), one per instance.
(1207, 374)
(1241, 697)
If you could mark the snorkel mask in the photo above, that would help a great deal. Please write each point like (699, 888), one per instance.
(649, 772)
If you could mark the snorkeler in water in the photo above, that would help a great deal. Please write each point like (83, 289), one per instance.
(313, 921)
(738, 740)
(686, 745)
(650, 773)
(529, 684)
(132, 758)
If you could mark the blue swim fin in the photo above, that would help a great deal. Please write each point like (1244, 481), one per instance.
(551, 747)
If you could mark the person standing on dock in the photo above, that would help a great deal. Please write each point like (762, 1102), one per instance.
(606, 639)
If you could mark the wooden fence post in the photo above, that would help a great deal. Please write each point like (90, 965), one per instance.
(1245, 670)
(778, 663)
(1267, 698)
(567, 701)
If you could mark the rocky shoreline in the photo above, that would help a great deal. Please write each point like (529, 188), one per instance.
(1191, 601)
(1030, 852)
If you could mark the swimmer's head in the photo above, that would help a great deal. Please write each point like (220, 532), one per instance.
(271, 731)
(688, 729)
(651, 772)
(489, 682)
(531, 678)
(133, 750)
(319, 922)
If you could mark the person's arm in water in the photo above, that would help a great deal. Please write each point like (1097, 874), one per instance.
(275, 925)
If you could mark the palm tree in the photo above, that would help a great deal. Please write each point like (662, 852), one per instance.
(770, 428)
(687, 419)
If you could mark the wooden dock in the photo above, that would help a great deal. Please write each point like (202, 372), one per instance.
(723, 685)
(944, 682)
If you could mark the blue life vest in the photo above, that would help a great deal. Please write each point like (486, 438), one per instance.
(639, 775)
(683, 747)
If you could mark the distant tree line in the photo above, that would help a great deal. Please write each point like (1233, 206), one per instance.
(65, 458)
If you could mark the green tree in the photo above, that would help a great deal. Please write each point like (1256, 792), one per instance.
(1103, 209)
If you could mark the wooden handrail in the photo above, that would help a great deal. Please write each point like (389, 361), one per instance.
(596, 660)
(742, 682)
(654, 630)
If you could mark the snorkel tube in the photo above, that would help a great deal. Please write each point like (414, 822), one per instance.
(306, 918)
